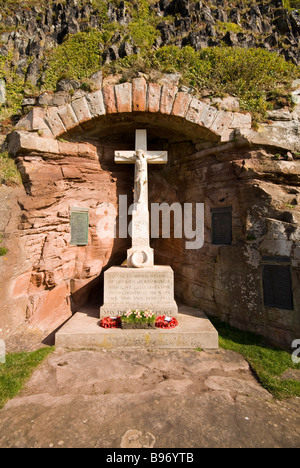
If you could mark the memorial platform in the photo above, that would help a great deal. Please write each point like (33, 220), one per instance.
(83, 331)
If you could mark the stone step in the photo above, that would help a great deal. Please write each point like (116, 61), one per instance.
(83, 331)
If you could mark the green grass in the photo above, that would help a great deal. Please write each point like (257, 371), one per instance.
(266, 362)
(9, 174)
(17, 370)
(3, 250)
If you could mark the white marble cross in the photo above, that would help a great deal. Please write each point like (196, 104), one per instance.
(140, 255)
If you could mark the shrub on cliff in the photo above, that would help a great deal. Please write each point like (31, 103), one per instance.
(257, 77)
(77, 58)
(13, 82)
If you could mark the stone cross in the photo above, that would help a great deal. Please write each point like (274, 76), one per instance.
(141, 254)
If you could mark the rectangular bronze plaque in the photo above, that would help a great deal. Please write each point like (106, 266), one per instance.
(222, 226)
(79, 220)
(277, 286)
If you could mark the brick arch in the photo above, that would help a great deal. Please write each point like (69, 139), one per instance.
(138, 97)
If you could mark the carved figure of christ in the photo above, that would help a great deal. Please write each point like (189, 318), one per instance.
(140, 255)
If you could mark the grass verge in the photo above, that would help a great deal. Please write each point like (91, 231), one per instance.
(17, 370)
(267, 363)
(9, 174)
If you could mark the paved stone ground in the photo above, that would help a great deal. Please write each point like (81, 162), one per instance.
(134, 399)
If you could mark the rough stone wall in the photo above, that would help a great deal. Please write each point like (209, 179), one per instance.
(226, 280)
(51, 278)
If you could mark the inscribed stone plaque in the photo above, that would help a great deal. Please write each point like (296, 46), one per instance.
(277, 286)
(222, 226)
(79, 219)
(133, 288)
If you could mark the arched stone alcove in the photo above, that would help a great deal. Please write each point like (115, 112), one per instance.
(66, 157)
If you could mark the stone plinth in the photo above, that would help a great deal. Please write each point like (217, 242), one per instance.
(139, 288)
(83, 331)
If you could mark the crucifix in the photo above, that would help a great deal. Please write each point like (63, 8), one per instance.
(140, 255)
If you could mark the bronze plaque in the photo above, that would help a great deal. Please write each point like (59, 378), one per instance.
(277, 286)
(222, 226)
(79, 220)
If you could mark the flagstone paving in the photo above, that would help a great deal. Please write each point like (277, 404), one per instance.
(154, 399)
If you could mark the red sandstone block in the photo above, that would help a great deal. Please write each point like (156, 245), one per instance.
(37, 114)
(54, 122)
(67, 148)
(241, 120)
(49, 309)
(34, 121)
(38, 123)
(68, 116)
(84, 150)
(109, 99)
(96, 103)
(87, 150)
(23, 142)
(208, 116)
(181, 104)
(139, 94)
(221, 122)
(21, 284)
(153, 97)
(71, 172)
(168, 94)
(124, 97)
(81, 109)
(228, 135)
(195, 111)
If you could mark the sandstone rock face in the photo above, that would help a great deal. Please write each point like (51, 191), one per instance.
(57, 276)
(65, 155)
(226, 280)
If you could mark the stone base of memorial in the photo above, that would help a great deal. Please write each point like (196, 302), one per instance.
(149, 288)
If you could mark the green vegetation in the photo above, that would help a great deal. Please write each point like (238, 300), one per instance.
(295, 4)
(9, 174)
(82, 54)
(17, 370)
(77, 58)
(142, 29)
(260, 79)
(291, 4)
(14, 85)
(257, 77)
(224, 27)
(266, 362)
(3, 250)
(7, 6)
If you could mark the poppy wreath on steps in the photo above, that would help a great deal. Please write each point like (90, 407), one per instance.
(162, 322)
(110, 322)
